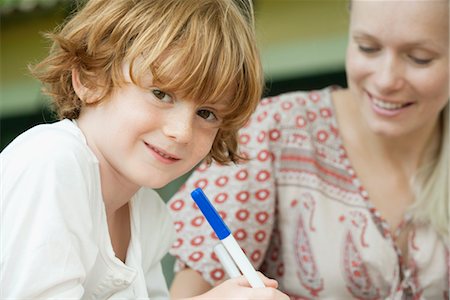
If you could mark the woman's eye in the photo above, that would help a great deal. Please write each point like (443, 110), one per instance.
(367, 49)
(162, 96)
(207, 114)
(420, 61)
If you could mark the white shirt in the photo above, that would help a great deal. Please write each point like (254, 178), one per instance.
(54, 234)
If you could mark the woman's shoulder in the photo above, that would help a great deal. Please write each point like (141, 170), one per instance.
(289, 108)
(299, 110)
(301, 98)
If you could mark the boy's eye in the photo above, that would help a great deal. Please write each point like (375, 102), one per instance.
(206, 114)
(162, 95)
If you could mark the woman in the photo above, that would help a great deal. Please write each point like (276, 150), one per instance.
(345, 194)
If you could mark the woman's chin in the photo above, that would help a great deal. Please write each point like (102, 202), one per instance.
(388, 131)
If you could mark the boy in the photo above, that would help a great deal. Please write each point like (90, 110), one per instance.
(145, 90)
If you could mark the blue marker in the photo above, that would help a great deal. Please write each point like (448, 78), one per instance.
(224, 234)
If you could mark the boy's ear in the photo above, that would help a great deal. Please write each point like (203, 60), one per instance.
(85, 94)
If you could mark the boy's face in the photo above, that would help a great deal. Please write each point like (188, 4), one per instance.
(148, 137)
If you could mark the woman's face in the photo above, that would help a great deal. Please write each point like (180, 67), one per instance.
(398, 63)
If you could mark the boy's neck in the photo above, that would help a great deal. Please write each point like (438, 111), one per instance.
(116, 189)
(115, 192)
(119, 228)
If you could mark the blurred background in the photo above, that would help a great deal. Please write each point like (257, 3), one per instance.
(302, 44)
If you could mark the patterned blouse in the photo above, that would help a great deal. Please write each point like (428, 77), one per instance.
(302, 216)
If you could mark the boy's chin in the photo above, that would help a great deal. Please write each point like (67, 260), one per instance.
(160, 183)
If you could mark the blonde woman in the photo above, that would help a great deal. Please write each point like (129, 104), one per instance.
(346, 191)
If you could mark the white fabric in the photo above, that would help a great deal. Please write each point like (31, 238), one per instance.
(54, 235)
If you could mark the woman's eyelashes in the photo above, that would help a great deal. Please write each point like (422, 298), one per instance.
(162, 96)
(368, 49)
(414, 58)
(420, 61)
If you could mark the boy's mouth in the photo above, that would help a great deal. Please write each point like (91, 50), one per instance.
(162, 153)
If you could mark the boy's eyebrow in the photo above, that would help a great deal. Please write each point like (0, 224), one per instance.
(222, 101)
(218, 105)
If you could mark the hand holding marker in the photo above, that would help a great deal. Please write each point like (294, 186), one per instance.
(231, 246)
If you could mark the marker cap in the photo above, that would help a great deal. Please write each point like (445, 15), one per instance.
(211, 214)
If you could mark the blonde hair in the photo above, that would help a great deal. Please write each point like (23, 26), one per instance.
(432, 183)
(199, 48)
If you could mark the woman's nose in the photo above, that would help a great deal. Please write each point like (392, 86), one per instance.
(389, 75)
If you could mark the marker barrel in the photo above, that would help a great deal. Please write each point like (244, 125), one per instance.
(226, 261)
(242, 261)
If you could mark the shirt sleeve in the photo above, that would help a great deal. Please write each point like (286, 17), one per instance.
(243, 194)
(44, 193)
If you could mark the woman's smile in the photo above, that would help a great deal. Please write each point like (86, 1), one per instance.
(388, 108)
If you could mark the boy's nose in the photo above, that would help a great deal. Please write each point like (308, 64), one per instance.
(179, 125)
(389, 75)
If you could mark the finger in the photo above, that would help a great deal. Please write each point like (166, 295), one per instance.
(242, 281)
(268, 282)
(267, 293)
